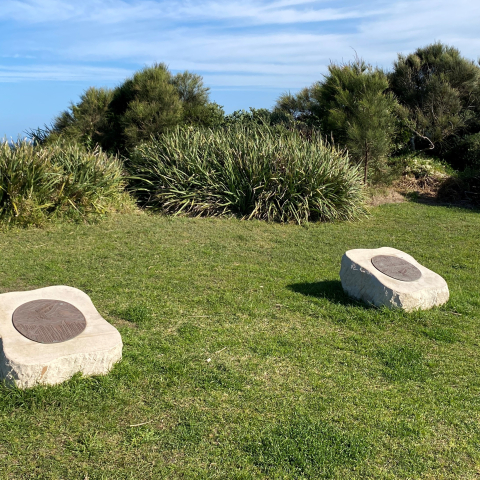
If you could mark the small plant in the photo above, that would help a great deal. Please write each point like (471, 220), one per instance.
(420, 166)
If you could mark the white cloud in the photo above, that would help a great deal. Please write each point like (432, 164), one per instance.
(61, 73)
(281, 44)
(118, 11)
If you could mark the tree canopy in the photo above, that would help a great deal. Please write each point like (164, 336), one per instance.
(149, 103)
(439, 91)
(353, 107)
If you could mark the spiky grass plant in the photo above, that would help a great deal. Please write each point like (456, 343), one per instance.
(37, 183)
(262, 172)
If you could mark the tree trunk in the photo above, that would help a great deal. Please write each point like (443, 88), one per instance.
(412, 143)
(366, 164)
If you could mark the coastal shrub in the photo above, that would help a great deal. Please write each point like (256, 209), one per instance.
(37, 182)
(352, 105)
(465, 153)
(149, 103)
(439, 91)
(257, 172)
(419, 165)
(463, 187)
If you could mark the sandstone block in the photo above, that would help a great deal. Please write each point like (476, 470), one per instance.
(363, 281)
(28, 363)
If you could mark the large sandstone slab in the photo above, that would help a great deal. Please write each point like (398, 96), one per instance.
(361, 280)
(28, 363)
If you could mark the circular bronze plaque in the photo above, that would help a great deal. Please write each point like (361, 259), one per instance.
(396, 268)
(48, 321)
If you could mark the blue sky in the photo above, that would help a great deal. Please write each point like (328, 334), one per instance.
(247, 51)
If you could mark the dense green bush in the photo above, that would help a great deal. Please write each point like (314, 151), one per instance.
(462, 187)
(419, 165)
(57, 180)
(149, 103)
(257, 172)
(465, 153)
(352, 105)
(439, 91)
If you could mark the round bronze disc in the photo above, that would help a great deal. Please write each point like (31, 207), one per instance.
(396, 268)
(48, 321)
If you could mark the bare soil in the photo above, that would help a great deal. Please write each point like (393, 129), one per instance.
(423, 190)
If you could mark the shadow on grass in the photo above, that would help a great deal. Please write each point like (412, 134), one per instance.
(329, 289)
(464, 203)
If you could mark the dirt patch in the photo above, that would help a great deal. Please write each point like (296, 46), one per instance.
(425, 187)
(424, 190)
(391, 196)
(431, 190)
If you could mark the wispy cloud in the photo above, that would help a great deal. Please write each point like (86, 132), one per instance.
(275, 43)
(118, 11)
(61, 73)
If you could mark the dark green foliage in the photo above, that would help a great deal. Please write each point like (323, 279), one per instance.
(358, 112)
(258, 116)
(262, 172)
(194, 97)
(353, 107)
(306, 448)
(144, 105)
(40, 182)
(465, 152)
(302, 106)
(86, 121)
(462, 187)
(439, 91)
(149, 103)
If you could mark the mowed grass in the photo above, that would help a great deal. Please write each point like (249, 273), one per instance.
(244, 359)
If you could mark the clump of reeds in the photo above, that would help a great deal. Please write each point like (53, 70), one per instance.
(254, 172)
(37, 183)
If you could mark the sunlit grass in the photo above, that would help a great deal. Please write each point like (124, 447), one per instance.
(244, 359)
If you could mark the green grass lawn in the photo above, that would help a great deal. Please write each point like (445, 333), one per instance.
(243, 358)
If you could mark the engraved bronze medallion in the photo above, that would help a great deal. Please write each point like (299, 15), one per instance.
(48, 321)
(397, 268)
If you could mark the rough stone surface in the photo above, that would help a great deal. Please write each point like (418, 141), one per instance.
(27, 363)
(361, 280)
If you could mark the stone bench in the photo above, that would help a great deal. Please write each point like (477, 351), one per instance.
(48, 335)
(392, 278)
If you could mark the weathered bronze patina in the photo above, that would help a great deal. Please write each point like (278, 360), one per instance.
(396, 268)
(48, 321)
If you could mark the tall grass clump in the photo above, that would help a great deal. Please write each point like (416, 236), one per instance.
(254, 172)
(38, 183)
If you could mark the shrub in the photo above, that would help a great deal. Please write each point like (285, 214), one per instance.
(439, 91)
(149, 103)
(463, 187)
(144, 105)
(417, 164)
(61, 179)
(352, 104)
(86, 122)
(465, 153)
(256, 172)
